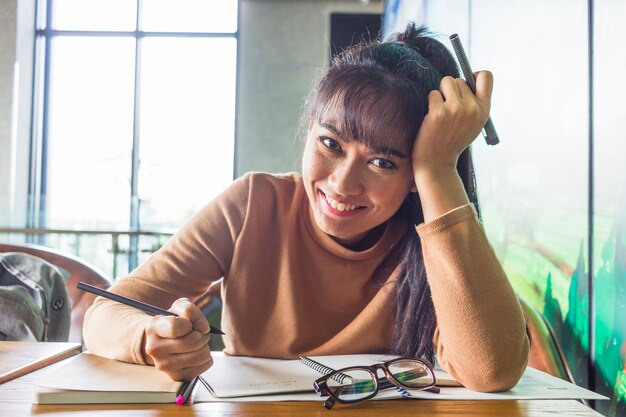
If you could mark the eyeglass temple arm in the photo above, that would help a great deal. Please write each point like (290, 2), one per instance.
(383, 383)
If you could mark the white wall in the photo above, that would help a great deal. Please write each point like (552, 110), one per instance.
(8, 23)
(283, 44)
(16, 57)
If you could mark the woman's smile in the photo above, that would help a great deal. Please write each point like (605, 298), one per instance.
(338, 208)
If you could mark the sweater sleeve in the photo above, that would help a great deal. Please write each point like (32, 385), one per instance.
(481, 335)
(199, 254)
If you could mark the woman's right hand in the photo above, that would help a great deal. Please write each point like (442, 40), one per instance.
(179, 346)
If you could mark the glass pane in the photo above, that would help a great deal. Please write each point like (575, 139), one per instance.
(533, 194)
(90, 132)
(147, 245)
(609, 220)
(189, 16)
(94, 14)
(187, 126)
(94, 249)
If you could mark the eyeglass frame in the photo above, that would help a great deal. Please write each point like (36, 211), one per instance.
(321, 384)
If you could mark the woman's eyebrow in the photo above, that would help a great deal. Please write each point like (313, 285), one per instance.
(386, 151)
(332, 128)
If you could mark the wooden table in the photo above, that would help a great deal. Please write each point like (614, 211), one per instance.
(16, 401)
(16, 397)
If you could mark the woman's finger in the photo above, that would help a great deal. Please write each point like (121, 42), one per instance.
(189, 373)
(185, 308)
(464, 89)
(185, 365)
(170, 327)
(185, 359)
(435, 99)
(191, 342)
(449, 89)
(484, 85)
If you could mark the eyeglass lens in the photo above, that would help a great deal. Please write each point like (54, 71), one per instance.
(410, 373)
(355, 385)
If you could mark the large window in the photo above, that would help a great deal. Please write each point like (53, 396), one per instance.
(134, 116)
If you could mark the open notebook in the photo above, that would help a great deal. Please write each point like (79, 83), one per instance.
(89, 378)
(234, 378)
(92, 379)
(241, 376)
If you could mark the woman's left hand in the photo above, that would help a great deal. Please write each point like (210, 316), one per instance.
(455, 118)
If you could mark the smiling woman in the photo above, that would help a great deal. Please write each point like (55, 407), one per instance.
(376, 247)
(353, 188)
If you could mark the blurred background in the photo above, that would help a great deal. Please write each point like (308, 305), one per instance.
(121, 118)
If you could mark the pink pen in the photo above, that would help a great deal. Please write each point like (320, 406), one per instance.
(185, 391)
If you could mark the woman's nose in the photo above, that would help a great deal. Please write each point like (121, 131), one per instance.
(347, 180)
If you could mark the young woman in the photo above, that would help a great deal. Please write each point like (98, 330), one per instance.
(376, 247)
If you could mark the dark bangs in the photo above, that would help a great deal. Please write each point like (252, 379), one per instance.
(370, 107)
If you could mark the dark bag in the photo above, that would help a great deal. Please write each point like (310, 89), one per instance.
(34, 303)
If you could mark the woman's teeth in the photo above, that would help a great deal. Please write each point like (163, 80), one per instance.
(340, 206)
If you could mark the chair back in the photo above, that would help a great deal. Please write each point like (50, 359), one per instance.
(545, 351)
(79, 270)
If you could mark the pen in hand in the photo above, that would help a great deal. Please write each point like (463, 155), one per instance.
(185, 391)
(150, 309)
(187, 388)
(491, 136)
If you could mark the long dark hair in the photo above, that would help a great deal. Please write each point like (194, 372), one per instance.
(382, 89)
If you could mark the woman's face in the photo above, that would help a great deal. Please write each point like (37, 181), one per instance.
(352, 188)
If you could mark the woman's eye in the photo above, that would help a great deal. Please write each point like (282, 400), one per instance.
(330, 143)
(384, 163)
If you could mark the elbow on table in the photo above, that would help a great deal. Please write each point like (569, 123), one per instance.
(503, 375)
(493, 382)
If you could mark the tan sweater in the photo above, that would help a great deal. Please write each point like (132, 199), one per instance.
(290, 290)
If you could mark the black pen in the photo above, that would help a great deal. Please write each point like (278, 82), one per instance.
(134, 303)
(489, 131)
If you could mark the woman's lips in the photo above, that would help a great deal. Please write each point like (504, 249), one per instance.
(340, 209)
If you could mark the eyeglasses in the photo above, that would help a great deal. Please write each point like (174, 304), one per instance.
(360, 383)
